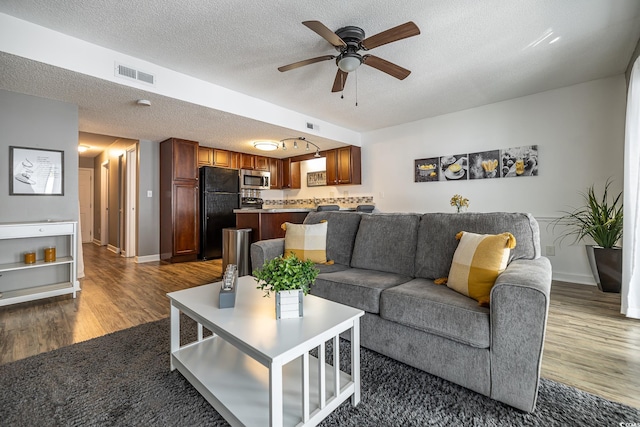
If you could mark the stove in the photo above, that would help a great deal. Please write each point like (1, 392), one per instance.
(251, 203)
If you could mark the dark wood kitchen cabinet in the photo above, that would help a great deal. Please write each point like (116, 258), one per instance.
(247, 161)
(290, 174)
(261, 163)
(205, 156)
(344, 166)
(179, 207)
(275, 169)
(221, 158)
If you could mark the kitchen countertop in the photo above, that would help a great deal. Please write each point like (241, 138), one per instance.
(281, 208)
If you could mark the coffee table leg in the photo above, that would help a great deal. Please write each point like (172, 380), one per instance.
(355, 361)
(175, 332)
(275, 394)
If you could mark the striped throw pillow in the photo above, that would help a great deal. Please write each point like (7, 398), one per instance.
(477, 262)
(306, 241)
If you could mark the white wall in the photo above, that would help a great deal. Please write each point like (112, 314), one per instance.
(579, 131)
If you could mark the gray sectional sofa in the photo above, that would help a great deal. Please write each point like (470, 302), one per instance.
(385, 264)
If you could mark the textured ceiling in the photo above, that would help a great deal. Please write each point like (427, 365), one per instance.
(469, 53)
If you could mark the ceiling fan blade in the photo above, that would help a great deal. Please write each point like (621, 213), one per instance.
(408, 29)
(338, 83)
(325, 33)
(305, 62)
(386, 67)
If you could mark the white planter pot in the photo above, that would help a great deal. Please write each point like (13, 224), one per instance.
(289, 304)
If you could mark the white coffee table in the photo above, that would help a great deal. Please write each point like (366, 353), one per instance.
(256, 370)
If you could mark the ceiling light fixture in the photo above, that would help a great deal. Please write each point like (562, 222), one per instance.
(349, 61)
(83, 148)
(295, 144)
(266, 145)
(144, 102)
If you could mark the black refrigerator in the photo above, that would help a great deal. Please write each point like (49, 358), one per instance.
(219, 196)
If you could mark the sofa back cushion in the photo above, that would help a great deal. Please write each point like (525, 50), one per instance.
(341, 233)
(437, 237)
(386, 242)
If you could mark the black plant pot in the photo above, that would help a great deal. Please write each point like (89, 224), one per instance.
(609, 265)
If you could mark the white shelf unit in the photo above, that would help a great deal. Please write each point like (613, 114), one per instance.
(10, 293)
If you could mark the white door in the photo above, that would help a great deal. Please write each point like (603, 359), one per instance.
(85, 194)
(104, 204)
(130, 202)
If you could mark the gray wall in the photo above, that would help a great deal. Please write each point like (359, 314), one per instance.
(28, 121)
(148, 207)
(85, 162)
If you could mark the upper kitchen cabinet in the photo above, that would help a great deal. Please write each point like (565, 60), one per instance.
(275, 169)
(290, 174)
(235, 160)
(222, 158)
(205, 156)
(247, 161)
(261, 163)
(344, 166)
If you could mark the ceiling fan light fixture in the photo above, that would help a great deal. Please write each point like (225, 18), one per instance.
(266, 145)
(348, 62)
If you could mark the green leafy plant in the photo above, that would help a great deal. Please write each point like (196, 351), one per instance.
(599, 219)
(286, 274)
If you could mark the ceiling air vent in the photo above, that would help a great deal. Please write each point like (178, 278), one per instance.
(132, 73)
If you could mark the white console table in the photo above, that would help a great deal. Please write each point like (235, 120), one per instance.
(14, 238)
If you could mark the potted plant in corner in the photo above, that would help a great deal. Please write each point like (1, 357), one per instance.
(601, 220)
(290, 279)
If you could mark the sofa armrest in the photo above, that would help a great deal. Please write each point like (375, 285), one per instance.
(265, 250)
(519, 309)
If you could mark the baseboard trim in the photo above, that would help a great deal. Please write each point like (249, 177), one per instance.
(113, 249)
(147, 258)
(581, 279)
(97, 242)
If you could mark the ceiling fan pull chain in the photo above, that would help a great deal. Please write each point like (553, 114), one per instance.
(342, 86)
(356, 88)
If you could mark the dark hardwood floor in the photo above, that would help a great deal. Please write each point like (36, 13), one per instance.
(589, 344)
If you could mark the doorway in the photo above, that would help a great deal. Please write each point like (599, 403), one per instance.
(85, 196)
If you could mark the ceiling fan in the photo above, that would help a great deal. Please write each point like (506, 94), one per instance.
(349, 41)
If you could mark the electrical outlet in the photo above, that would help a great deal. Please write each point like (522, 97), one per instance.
(346, 193)
(331, 194)
(550, 250)
(149, 193)
(382, 194)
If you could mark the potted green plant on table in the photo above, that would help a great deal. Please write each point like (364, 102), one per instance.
(600, 218)
(290, 279)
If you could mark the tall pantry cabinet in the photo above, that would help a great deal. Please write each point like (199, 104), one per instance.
(179, 208)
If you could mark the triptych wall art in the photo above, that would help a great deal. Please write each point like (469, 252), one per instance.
(493, 164)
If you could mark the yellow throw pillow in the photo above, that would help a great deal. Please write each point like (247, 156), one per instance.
(477, 262)
(306, 241)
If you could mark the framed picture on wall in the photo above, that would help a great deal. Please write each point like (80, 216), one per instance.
(36, 172)
(316, 179)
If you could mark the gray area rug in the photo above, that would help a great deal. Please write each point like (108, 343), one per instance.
(123, 379)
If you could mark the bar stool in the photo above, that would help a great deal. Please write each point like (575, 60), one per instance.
(365, 208)
(322, 208)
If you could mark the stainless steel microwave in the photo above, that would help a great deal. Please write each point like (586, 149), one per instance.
(255, 180)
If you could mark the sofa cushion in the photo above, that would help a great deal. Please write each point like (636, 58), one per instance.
(423, 305)
(477, 262)
(356, 287)
(341, 233)
(306, 241)
(386, 242)
(437, 243)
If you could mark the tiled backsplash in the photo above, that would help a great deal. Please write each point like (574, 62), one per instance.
(321, 201)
